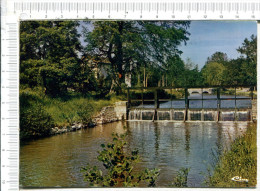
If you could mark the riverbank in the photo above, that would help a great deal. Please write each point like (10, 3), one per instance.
(240, 160)
(42, 116)
(108, 114)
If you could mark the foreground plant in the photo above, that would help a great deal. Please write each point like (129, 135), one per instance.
(182, 178)
(238, 162)
(119, 167)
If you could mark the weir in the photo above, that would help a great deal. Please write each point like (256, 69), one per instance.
(161, 104)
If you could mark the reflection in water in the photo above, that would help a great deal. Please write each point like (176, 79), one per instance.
(56, 161)
(157, 135)
(187, 139)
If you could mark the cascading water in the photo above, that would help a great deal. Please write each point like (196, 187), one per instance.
(178, 115)
(243, 116)
(194, 115)
(148, 114)
(227, 116)
(135, 114)
(210, 115)
(163, 115)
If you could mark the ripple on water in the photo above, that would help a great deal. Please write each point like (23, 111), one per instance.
(56, 161)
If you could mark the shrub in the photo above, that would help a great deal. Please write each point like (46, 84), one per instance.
(85, 112)
(35, 122)
(119, 166)
(182, 177)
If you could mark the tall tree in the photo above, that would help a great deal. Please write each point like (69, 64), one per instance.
(191, 76)
(174, 70)
(49, 55)
(213, 73)
(219, 57)
(214, 70)
(248, 52)
(127, 45)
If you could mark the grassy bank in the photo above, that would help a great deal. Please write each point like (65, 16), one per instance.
(39, 113)
(240, 160)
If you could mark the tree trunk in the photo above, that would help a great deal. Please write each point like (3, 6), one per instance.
(146, 81)
(162, 80)
(112, 86)
(138, 80)
(144, 78)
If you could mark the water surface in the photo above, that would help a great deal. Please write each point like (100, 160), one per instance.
(56, 161)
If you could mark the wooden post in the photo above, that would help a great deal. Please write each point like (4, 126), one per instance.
(128, 104)
(235, 98)
(156, 103)
(171, 110)
(252, 97)
(186, 104)
(202, 97)
(171, 98)
(142, 97)
(218, 103)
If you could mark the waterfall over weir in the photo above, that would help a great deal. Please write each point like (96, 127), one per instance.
(191, 104)
(139, 114)
(192, 115)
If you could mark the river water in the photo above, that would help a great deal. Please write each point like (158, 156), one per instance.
(56, 161)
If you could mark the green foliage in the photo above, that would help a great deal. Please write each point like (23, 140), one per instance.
(181, 178)
(128, 45)
(191, 76)
(85, 112)
(119, 166)
(218, 57)
(35, 122)
(218, 70)
(49, 56)
(239, 160)
(248, 52)
(213, 73)
(68, 109)
(175, 68)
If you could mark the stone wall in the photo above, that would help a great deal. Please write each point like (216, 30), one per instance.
(111, 113)
(120, 109)
(108, 114)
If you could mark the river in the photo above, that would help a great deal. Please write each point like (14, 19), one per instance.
(56, 161)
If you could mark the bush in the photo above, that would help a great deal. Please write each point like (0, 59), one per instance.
(85, 113)
(182, 178)
(119, 166)
(35, 122)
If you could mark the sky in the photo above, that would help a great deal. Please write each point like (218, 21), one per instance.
(208, 37)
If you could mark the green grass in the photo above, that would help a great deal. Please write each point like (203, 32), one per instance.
(66, 110)
(239, 160)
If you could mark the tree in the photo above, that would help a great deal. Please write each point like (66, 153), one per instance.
(174, 70)
(49, 55)
(248, 52)
(190, 76)
(127, 45)
(233, 74)
(219, 57)
(213, 73)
